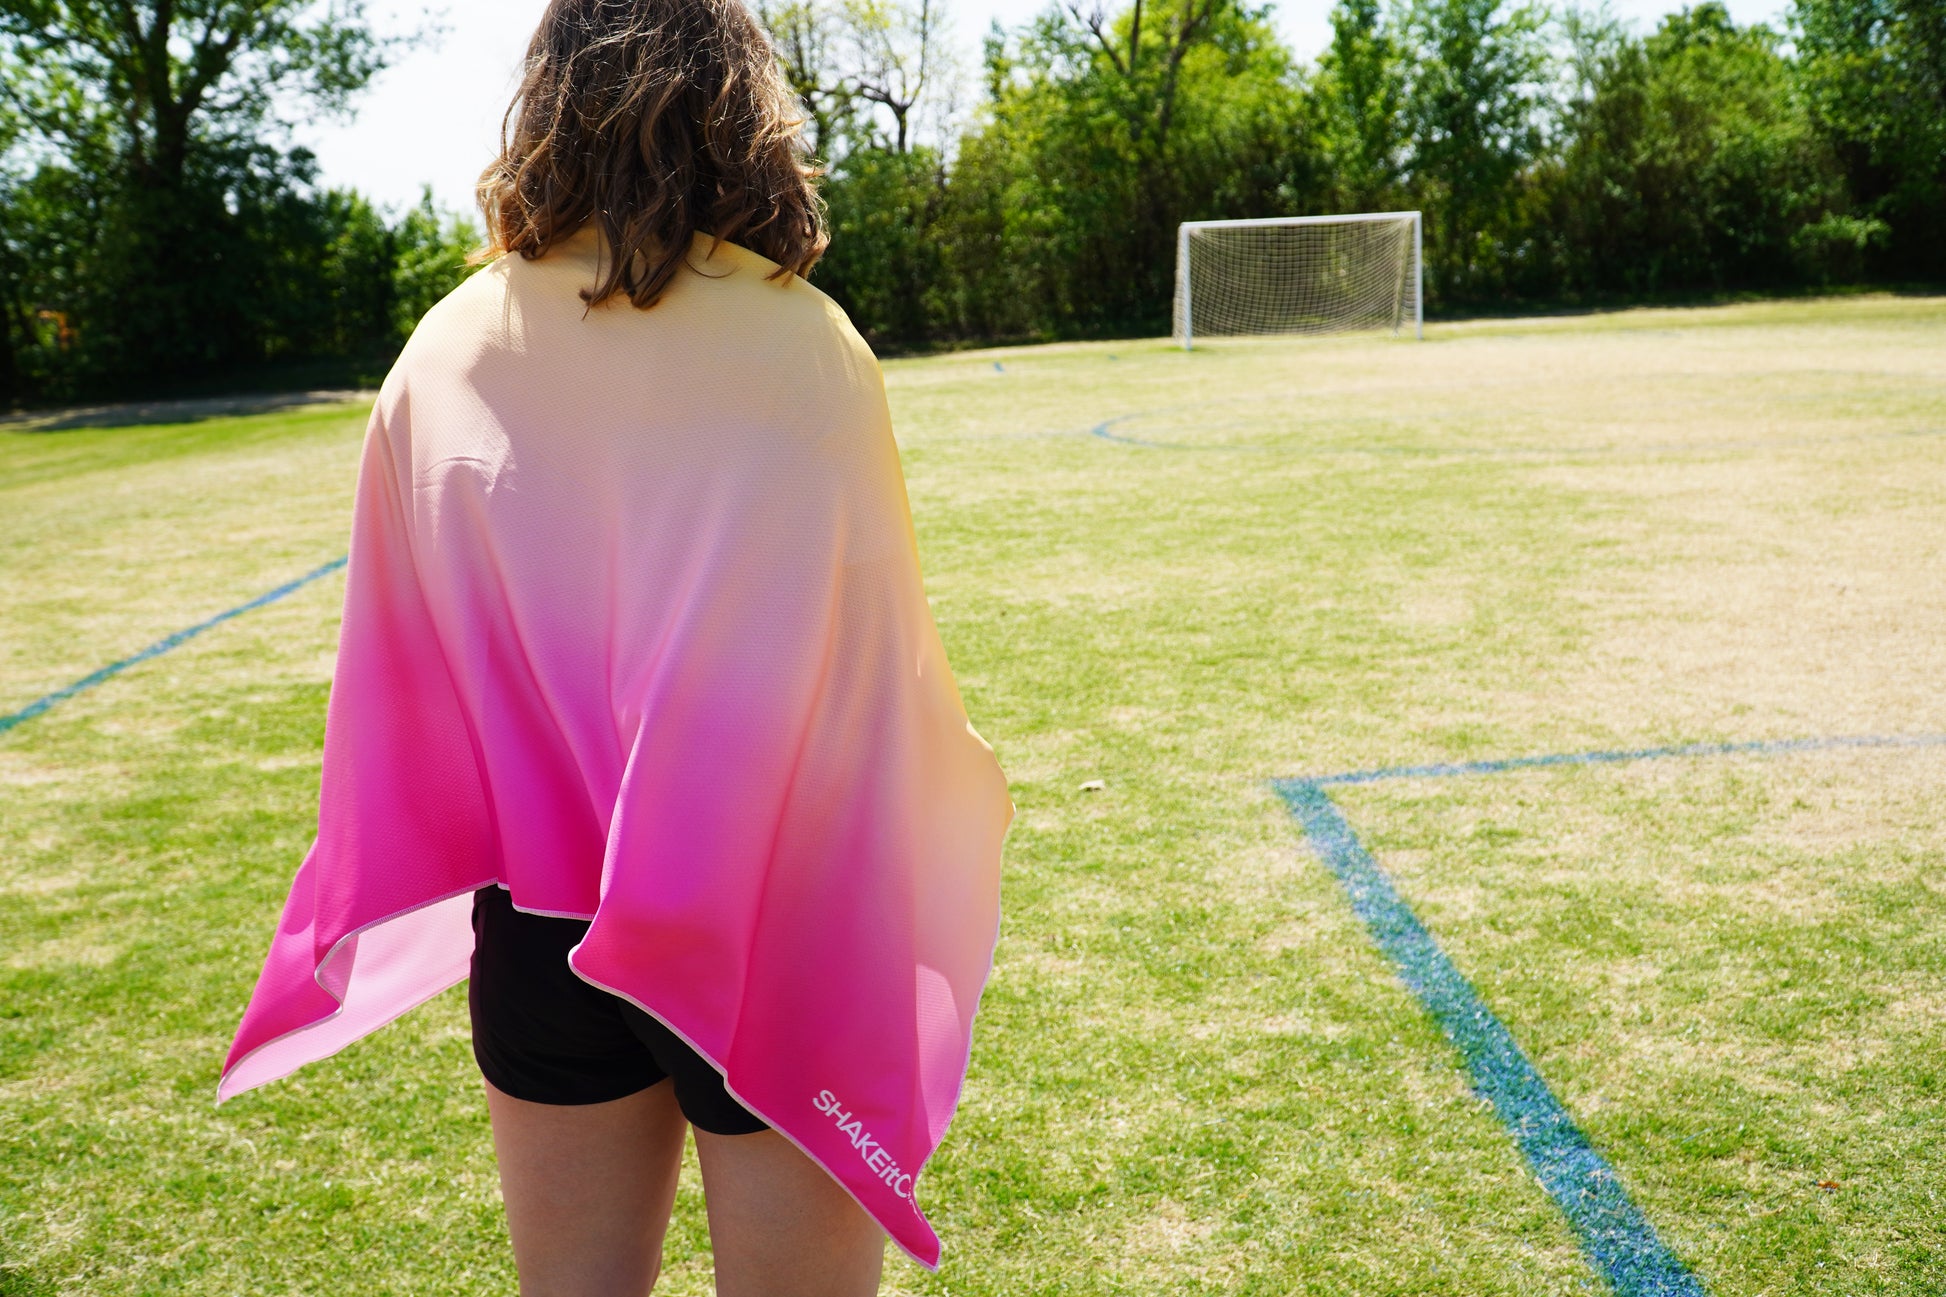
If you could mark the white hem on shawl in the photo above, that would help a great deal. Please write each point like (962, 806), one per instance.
(368, 1006)
(728, 1089)
(390, 977)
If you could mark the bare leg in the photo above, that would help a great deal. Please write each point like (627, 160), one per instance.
(781, 1227)
(589, 1189)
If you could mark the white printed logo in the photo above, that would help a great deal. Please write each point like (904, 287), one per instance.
(868, 1148)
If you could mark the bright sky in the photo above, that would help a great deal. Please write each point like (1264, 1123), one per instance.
(434, 118)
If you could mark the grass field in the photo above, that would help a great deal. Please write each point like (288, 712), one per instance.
(1186, 576)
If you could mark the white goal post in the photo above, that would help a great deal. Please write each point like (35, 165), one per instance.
(1300, 274)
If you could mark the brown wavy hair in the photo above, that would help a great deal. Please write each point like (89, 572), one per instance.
(655, 119)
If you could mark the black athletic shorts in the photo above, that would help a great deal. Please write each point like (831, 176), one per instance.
(542, 1034)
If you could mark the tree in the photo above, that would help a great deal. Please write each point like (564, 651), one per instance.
(1690, 163)
(896, 51)
(885, 264)
(1875, 75)
(431, 248)
(167, 72)
(50, 224)
(15, 329)
(1153, 82)
(805, 35)
(1105, 133)
(1360, 93)
(1473, 99)
(873, 77)
(169, 109)
(850, 60)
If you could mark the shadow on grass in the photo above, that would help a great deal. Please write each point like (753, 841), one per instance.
(193, 409)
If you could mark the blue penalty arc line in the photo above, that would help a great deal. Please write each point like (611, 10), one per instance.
(163, 645)
(1616, 1237)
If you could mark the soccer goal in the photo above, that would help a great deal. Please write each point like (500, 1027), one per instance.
(1299, 274)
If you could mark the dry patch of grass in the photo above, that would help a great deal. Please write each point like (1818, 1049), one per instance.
(1192, 1071)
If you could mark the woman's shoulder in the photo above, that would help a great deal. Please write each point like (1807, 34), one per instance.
(478, 307)
(728, 325)
(799, 303)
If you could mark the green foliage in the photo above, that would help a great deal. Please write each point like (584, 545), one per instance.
(430, 248)
(13, 327)
(1361, 98)
(1556, 157)
(1691, 164)
(154, 231)
(116, 288)
(1835, 249)
(165, 79)
(1472, 107)
(1875, 74)
(806, 36)
(1060, 210)
(323, 273)
(885, 266)
(171, 241)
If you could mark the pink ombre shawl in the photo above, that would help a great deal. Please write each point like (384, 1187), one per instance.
(633, 627)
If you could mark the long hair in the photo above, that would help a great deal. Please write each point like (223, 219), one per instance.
(655, 119)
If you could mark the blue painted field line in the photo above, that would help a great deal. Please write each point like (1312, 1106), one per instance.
(162, 646)
(1598, 758)
(1617, 1238)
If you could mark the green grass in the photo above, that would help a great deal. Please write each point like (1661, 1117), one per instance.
(1192, 1073)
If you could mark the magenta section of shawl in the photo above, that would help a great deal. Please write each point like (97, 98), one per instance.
(685, 685)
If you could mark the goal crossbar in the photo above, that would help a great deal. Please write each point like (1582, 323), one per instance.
(1244, 221)
(1311, 282)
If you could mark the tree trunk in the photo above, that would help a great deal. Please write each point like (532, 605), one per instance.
(16, 328)
(10, 390)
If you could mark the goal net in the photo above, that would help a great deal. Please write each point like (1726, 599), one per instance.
(1298, 274)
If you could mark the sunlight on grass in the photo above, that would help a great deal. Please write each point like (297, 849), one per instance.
(1192, 1073)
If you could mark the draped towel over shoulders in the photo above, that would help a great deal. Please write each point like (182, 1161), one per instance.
(634, 628)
